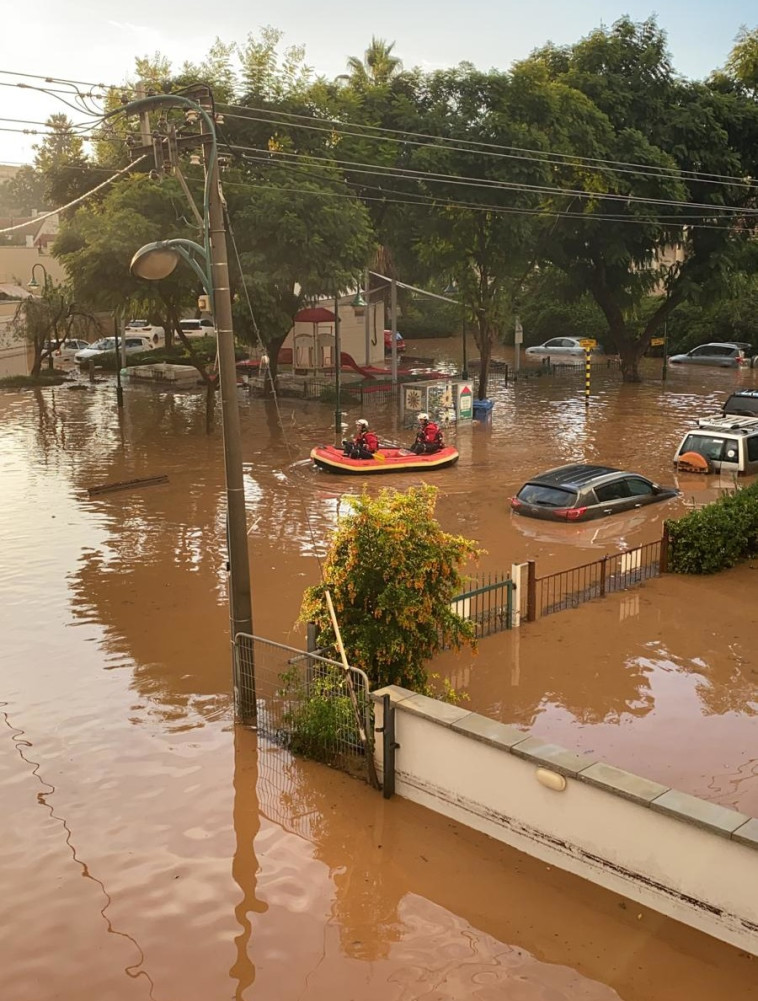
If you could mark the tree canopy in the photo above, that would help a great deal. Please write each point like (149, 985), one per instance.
(392, 573)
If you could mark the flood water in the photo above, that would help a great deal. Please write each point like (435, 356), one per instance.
(152, 850)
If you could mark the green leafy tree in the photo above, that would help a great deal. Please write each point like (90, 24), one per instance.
(297, 241)
(377, 67)
(392, 573)
(23, 193)
(660, 138)
(742, 64)
(61, 160)
(39, 319)
(97, 245)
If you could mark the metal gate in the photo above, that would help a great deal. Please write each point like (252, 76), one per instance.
(304, 703)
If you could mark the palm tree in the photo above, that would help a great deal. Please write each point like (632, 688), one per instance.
(377, 67)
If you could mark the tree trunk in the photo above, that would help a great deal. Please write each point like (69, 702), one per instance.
(484, 339)
(630, 352)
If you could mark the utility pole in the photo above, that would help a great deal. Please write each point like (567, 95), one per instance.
(241, 611)
(213, 270)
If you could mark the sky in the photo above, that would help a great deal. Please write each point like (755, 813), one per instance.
(97, 40)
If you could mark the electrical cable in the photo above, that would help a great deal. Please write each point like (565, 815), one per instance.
(360, 167)
(568, 159)
(75, 201)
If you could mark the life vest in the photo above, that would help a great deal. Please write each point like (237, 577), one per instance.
(431, 434)
(368, 439)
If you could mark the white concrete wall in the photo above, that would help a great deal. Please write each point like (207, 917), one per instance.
(686, 858)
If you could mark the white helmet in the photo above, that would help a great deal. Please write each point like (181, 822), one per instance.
(423, 417)
(361, 422)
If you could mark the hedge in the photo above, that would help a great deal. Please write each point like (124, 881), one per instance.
(716, 536)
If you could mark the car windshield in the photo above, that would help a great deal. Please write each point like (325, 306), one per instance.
(190, 324)
(544, 496)
(139, 323)
(713, 447)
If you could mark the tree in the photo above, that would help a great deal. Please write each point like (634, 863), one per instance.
(659, 143)
(392, 573)
(742, 64)
(377, 67)
(40, 319)
(23, 193)
(98, 243)
(61, 160)
(299, 238)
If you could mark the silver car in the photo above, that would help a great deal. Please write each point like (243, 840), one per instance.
(722, 354)
(562, 346)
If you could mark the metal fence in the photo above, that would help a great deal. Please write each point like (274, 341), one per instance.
(571, 588)
(488, 603)
(304, 702)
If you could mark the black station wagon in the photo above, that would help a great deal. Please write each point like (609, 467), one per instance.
(580, 493)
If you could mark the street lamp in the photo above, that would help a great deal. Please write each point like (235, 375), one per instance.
(210, 264)
(452, 289)
(33, 284)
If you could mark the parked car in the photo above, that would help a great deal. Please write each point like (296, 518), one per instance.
(65, 350)
(578, 492)
(565, 346)
(146, 329)
(198, 328)
(399, 341)
(723, 354)
(720, 445)
(743, 403)
(131, 345)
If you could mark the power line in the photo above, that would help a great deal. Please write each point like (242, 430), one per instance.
(567, 159)
(360, 167)
(71, 204)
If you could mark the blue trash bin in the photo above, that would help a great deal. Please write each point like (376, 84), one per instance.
(483, 409)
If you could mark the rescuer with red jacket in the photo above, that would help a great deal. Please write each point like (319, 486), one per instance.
(429, 437)
(364, 444)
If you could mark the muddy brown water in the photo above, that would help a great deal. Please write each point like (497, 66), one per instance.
(150, 850)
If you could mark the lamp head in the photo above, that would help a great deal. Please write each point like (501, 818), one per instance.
(33, 283)
(154, 261)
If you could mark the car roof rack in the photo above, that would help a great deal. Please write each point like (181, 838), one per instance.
(730, 423)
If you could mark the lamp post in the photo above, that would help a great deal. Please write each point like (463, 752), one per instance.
(210, 264)
(33, 284)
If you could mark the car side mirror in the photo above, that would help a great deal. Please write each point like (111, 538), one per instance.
(656, 488)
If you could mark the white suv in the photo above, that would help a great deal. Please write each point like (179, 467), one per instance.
(720, 445)
(198, 328)
(146, 329)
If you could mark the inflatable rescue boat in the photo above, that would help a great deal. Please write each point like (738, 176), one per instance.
(386, 459)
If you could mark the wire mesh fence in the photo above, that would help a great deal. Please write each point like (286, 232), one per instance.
(304, 702)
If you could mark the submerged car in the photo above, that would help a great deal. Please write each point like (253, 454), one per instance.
(399, 342)
(565, 346)
(743, 403)
(131, 345)
(64, 350)
(720, 445)
(579, 492)
(722, 354)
